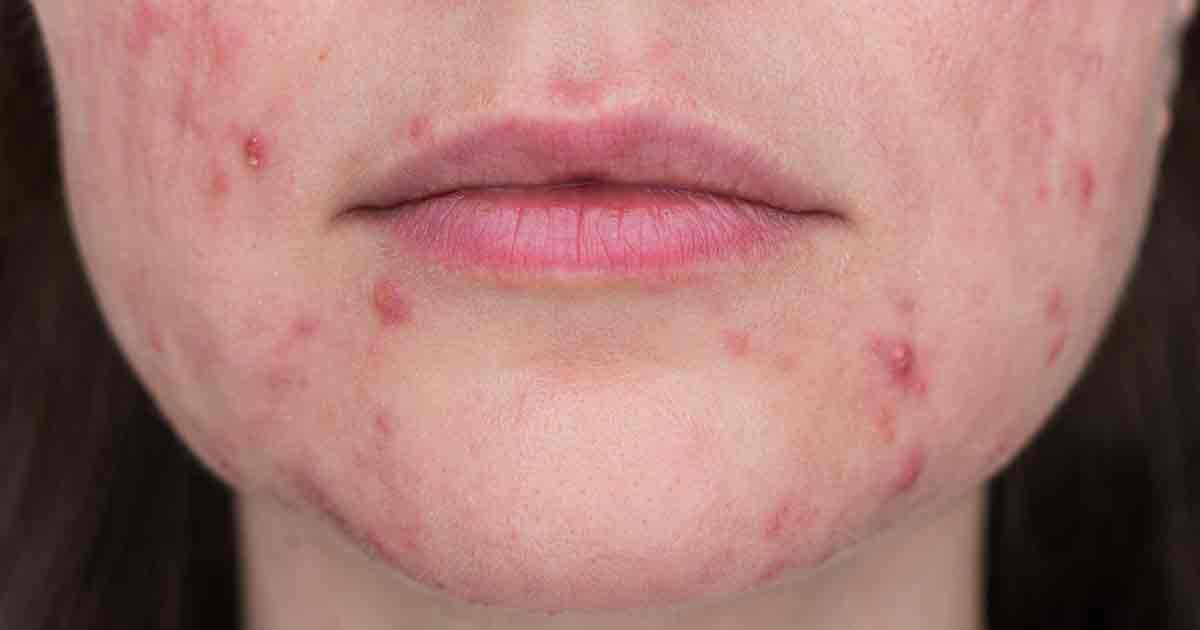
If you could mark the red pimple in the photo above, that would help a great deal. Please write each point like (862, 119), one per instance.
(391, 304)
(737, 343)
(900, 361)
(255, 150)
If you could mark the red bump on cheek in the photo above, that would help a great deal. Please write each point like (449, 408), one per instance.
(899, 361)
(391, 304)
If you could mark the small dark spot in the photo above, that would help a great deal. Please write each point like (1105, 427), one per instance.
(323, 56)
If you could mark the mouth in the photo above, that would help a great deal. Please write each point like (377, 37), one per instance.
(631, 194)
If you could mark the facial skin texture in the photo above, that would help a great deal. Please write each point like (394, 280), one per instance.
(457, 443)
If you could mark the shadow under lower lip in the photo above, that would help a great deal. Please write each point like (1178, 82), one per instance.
(588, 230)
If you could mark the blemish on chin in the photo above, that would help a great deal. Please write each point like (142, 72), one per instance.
(391, 303)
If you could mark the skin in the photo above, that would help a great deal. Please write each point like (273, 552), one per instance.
(409, 443)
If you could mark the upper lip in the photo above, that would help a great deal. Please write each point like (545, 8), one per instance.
(641, 148)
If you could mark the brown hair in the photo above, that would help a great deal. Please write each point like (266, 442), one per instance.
(107, 521)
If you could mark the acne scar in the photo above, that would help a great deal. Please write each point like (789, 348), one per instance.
(899, 362)
(736, 343)
(390, 303)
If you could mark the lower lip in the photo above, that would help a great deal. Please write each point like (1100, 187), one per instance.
(590, 229)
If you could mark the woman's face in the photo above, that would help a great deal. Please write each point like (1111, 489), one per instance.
(587, 382)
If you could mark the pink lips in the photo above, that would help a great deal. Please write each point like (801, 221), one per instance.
(620, 195)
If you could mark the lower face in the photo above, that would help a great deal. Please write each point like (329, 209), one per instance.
(629, 437)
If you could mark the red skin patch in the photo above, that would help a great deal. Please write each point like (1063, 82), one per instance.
(391, 303)
(149, 23)
(579, 92)
(420, 128)
(736, 343)
(218, 184)
(899, 361)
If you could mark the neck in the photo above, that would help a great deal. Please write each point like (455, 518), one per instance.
(927, 574)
